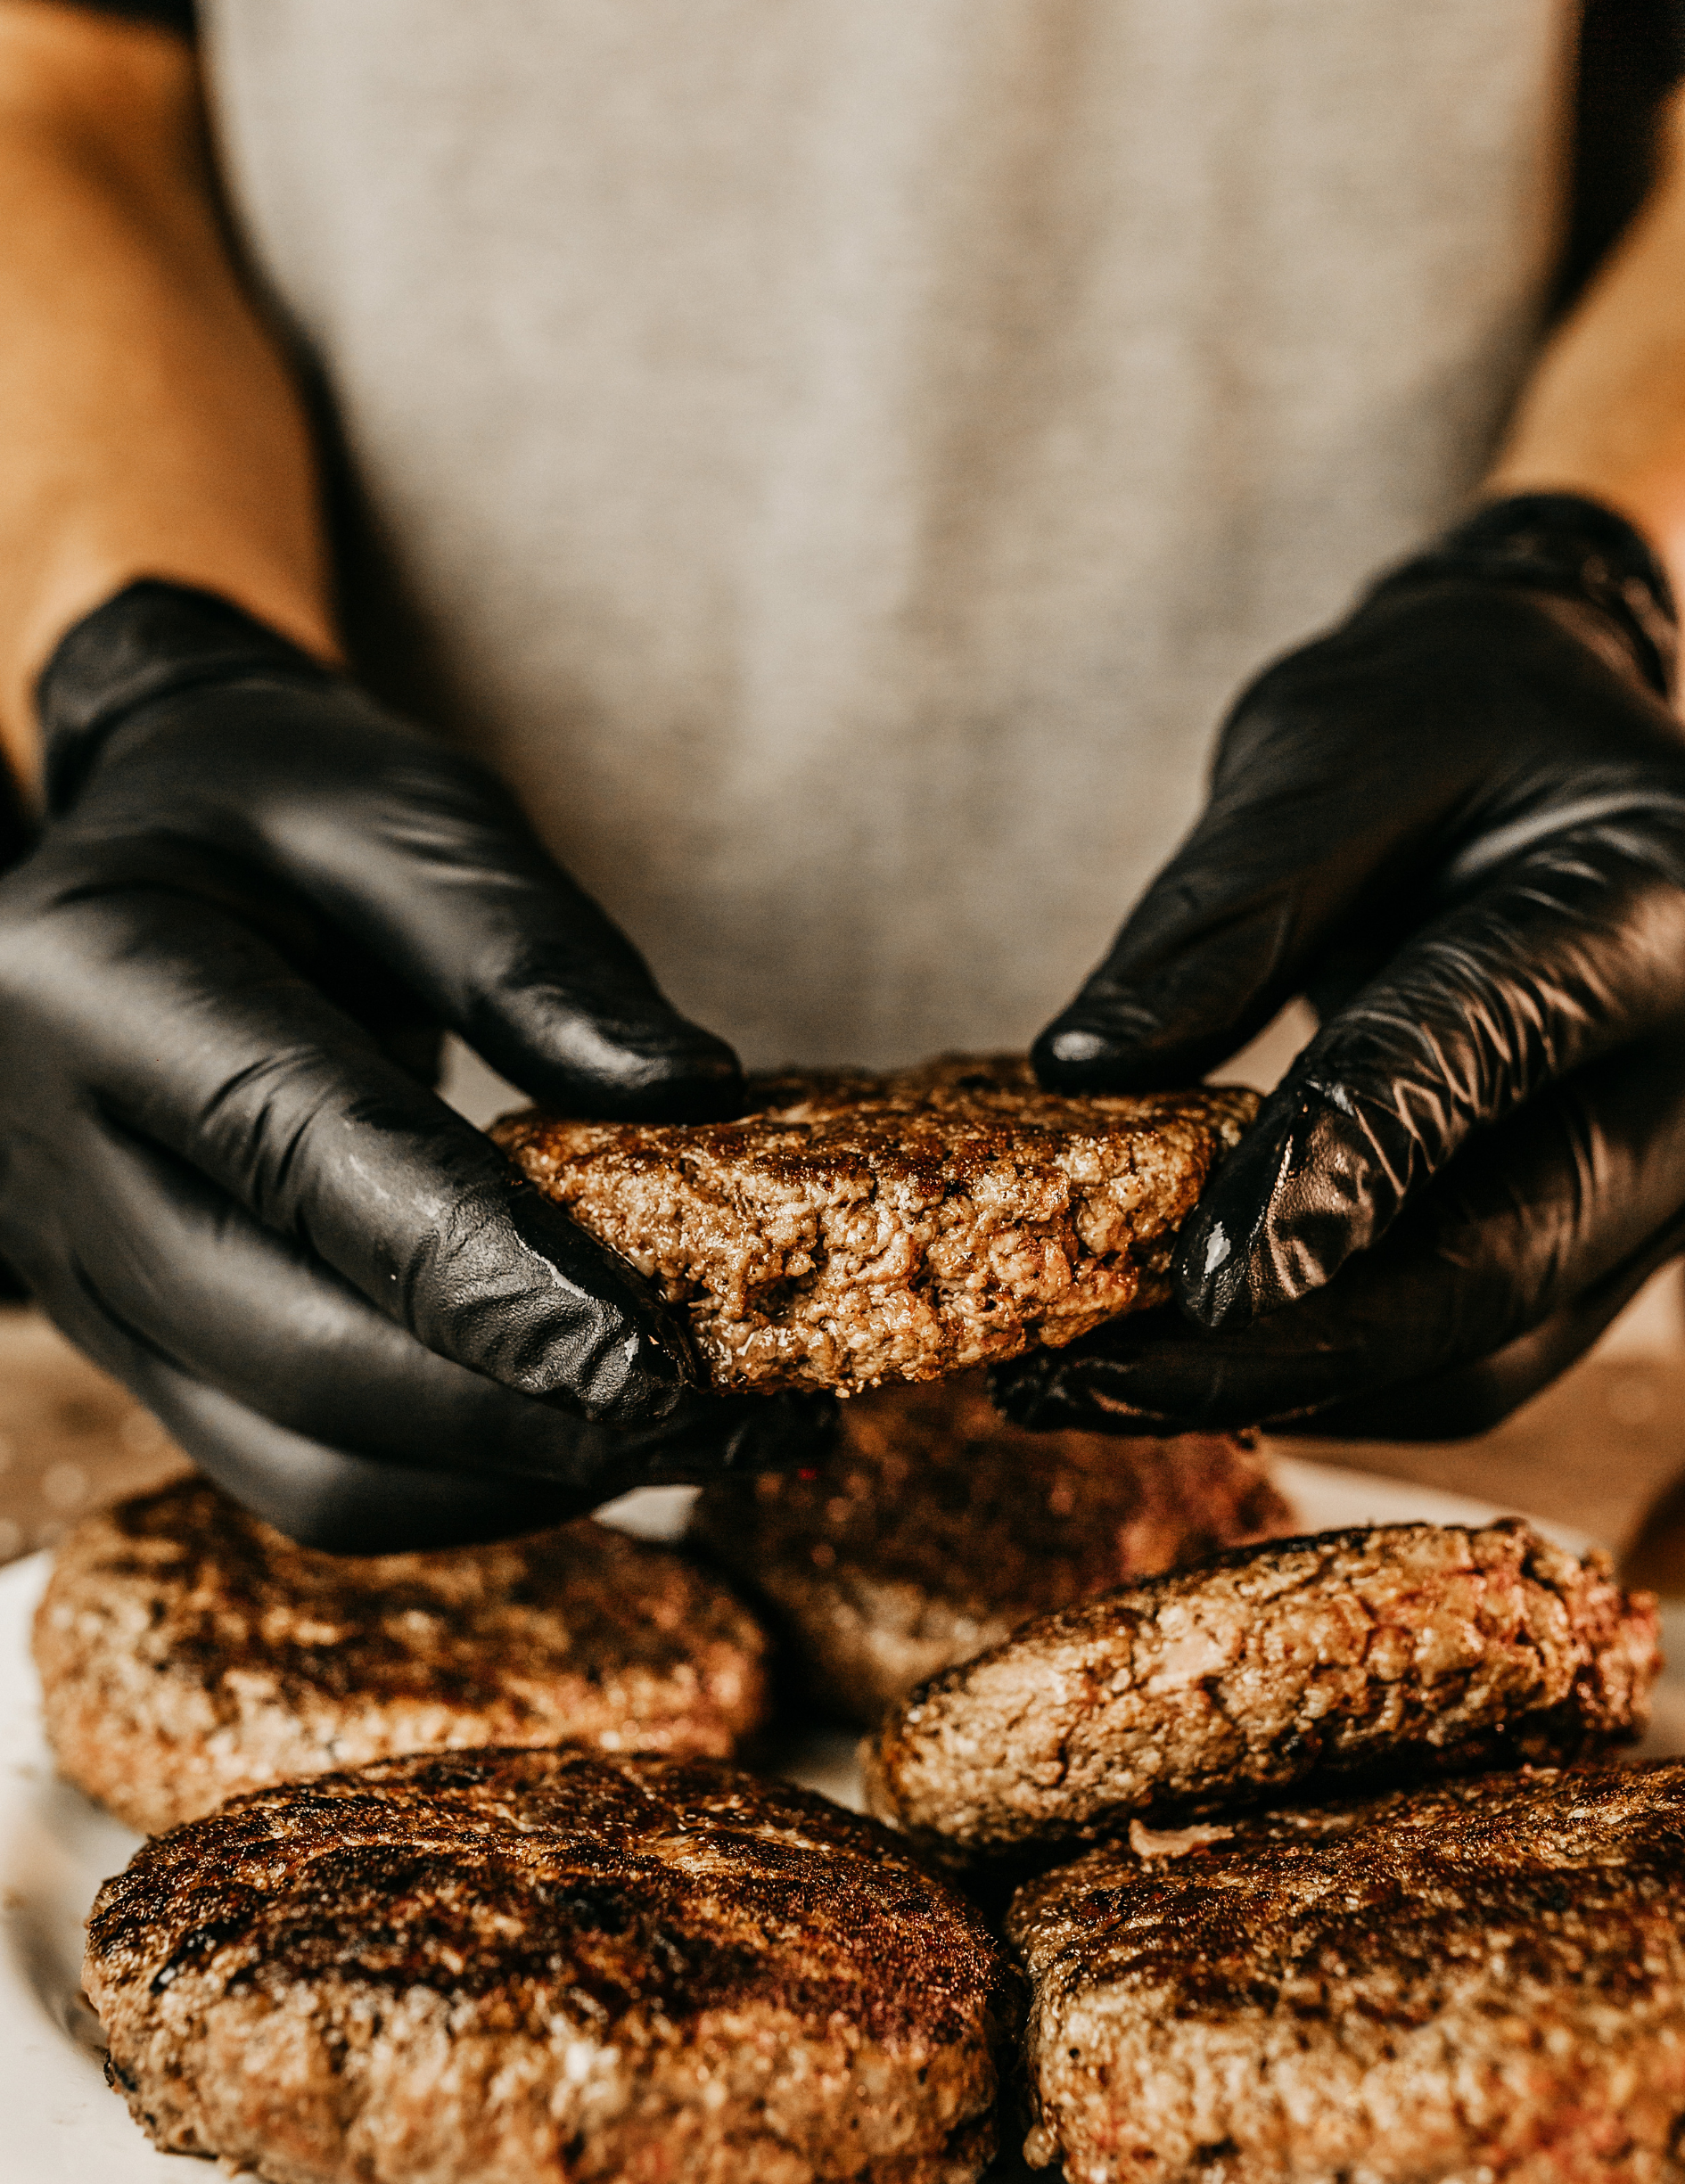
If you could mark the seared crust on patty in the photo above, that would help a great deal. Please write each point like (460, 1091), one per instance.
(1351, 1654)
(1485, 1980)
(932, 1527)
(534, 1965)
(188, 1652)
(853, 1229)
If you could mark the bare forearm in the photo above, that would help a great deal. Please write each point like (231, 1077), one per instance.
(148, 425)
(1604, 414)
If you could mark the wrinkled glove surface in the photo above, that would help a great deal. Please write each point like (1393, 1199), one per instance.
(1456, 824)
(257, 896)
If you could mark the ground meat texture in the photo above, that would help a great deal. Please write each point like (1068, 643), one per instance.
(1481, 1981)
(932, 1528)
(852, 1229)
(187, 1652)
(547, 1966)
(1356, 1653)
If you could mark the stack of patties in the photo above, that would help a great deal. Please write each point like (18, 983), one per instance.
(1302, 1947)
(860, 1232)
(931, 1528)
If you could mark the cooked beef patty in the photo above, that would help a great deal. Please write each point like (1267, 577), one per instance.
(1351, 1654)
(188, 1652)
(855, 1229)
(538, 1965)
(1485, 1980)
(932, 1528)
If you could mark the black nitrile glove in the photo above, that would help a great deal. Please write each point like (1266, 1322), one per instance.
(1458, 825)
(254, 889)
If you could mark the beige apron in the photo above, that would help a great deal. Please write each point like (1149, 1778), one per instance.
(841, 455)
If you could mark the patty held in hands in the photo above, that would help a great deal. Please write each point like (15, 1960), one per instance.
(1377, 1652)
(853, 1229)
(930, 1528)
(531, 1965)
(1481, 1979)
(188, 1652)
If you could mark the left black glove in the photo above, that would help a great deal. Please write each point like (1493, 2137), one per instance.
(218, 1173)
(1458, 825)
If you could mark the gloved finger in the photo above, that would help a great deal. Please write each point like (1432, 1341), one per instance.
(1222, 939)
(1577, 946)
(327, 1420)
(1470, 1399)
(191, 1030)
(155, 1249)
(347, 1504)
(1538, 1226)
(335, 1499)
(425, 858)
(319, 1495)
(1157, 1375)
(1290, 855)
(1317, 840)
(327, 1498)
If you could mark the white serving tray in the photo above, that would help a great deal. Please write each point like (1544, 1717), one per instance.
(59, 2123)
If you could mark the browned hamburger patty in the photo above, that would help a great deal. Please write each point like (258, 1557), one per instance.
(932, 1528)
(538, 1965)
(1481, 1981)
(1350, 1653)
(853, 1229)
(188, 1652)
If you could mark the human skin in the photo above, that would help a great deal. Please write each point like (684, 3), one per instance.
(154, 428)
(1604, 413)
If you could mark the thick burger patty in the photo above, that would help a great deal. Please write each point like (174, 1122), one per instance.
(932, 1528)
(1351, 1654)
(1485, 1980)
(855, 1229)
(547, 1965)
(188, 1652)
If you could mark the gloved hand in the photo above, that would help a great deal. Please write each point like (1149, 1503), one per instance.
(1457, 823)
(253, 889)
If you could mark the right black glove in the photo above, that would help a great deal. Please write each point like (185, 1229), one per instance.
(254, 886)
(1457, 822)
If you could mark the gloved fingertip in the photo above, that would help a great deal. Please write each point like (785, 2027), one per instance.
(1075, 1055)
(588, 1333)
(750, 1433)
(699, 1080)
(1096, 1385)
(709, 1436)
(1242, 1253)
(1216, 1282)
(641, 1370)
(1123, 1047)
(1300, 1194)
(657, 1068)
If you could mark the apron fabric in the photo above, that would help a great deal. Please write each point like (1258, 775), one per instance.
(838, 458)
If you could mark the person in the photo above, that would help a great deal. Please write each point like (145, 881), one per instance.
(492, 498)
